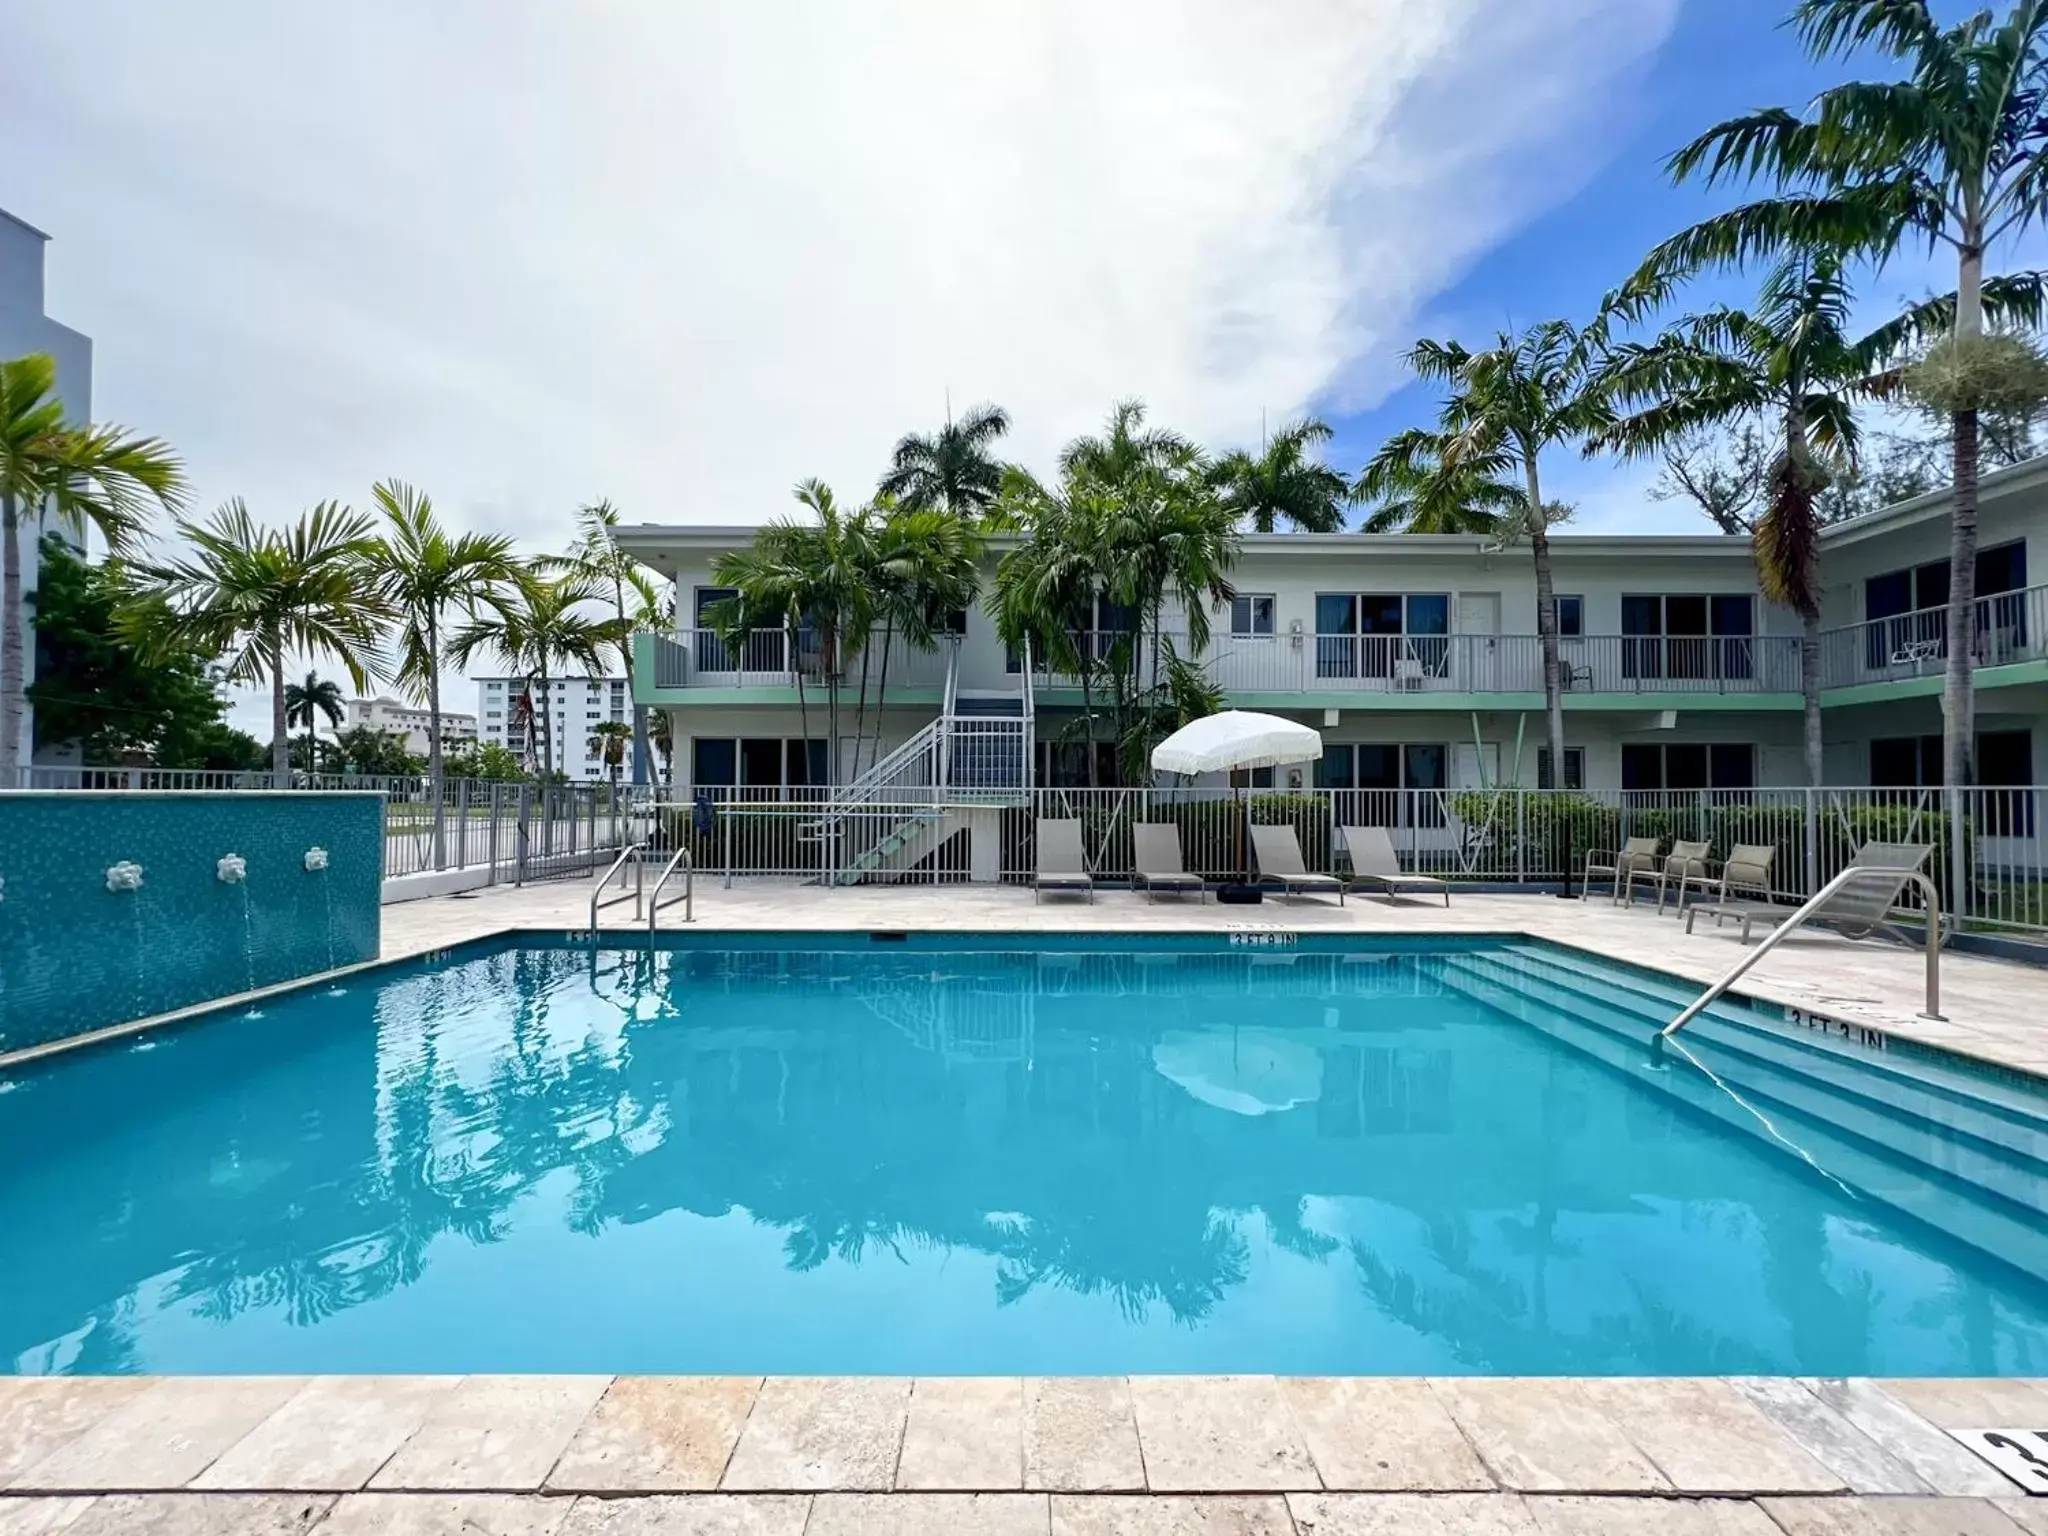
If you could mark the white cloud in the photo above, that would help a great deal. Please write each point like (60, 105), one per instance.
(527, 253)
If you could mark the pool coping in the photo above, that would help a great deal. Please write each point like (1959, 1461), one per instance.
(1246, 1453)
(1873, 1029)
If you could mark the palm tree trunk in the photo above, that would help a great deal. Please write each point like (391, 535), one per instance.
(1809, 693)
(1958, 701)
(1546, 627)
(12, 663)
(280, 731)
(882, 684)
(434, 761)
(803, 705)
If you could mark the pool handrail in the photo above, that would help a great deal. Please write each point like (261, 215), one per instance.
(1818, 900)
(599, 900)
(689, 896)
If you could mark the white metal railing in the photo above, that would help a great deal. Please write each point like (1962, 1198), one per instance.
(681, 858)
(599, 901)
(2008, 627)
(1426, 664)
(706, 658)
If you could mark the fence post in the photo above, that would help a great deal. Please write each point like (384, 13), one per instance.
(520, 833)
(1810, 820)
(1521, 839)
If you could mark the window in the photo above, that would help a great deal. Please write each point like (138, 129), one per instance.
(1905, 613)
(1251, 778)
(2003, 759)
(1064, 764)
(1574, 768)
(1688, 635)
(769, 767)
(1684, 767)
(952, 622)
(1375, 774)
(1571, 621)
(1251, 614)
(1370, 634)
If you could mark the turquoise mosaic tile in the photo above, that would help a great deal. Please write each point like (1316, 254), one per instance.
(77, 956)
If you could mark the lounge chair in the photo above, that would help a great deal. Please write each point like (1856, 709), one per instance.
(1374, 862)
(1278, 852)
(1670, 873)
(1155, 849)
(1857, 910)
(1748, 869)
(1637, 853)
(1062, 865)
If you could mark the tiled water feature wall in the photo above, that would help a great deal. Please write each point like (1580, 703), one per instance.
(114, 906)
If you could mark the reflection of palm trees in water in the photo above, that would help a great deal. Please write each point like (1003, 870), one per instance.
(1187, 1268)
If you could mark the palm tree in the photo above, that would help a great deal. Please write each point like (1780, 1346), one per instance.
(538, 628)
(1791, 365)
(952, 469)
(1528, 392)
(927, 568)
(608, 742)
(1411, 492)
(1047, 589)
(305, 702)
(258, 595)
(421, 572)
(816, 575)
(100, 475)
(597, 558)
(1126, 448)
(1284, 481)
(1953, 155)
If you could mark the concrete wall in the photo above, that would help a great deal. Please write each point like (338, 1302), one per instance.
(75, 956)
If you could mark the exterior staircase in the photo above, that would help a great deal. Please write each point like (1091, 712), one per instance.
(974, 757)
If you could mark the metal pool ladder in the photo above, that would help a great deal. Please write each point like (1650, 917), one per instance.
(1899, 877)
(598, 898)
(689, 896)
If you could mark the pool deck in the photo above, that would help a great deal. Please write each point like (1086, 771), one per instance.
(1152, 1456)
(1204, 1456)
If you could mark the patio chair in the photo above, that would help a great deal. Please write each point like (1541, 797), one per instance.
(1748, 868)
(1856, 911)
(1684, 860)
(1637, 853)
(1278, 853)
(1155, 853)
(1062, 865)
(1374, 862)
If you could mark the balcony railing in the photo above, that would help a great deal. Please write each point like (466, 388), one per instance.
(2010, 627)
(768, 658)
(1424, 664)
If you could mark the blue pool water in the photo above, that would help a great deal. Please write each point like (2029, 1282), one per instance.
(787, 1154)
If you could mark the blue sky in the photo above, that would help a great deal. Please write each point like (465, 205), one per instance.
(1723, 57)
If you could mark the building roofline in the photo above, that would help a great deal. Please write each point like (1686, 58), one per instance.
(15, 218)
(1934, 505)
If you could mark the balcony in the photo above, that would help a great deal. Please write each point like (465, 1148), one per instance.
(1445, 665)
(2011, 627)
(699, 661)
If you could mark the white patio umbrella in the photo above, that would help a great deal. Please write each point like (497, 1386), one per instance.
(1237, 738)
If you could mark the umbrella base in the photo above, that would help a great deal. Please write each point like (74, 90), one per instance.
(1240, 895)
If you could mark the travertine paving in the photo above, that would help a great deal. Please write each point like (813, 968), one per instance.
(539, 1455)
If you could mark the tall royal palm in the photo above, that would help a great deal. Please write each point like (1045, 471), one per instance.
(305, 704)
(423, 574)
(952, 469)
(1955, 155)
(1528, 393)
(99, 475)
(541, 628)
(257, 596)
(1284, 482)
(1791, 365)
(927, 568)
(597, 557)
(1406, 490)
(1049, 586)
(815, 575)
(1124, 449)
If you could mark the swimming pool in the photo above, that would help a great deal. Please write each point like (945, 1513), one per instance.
(981, 1154)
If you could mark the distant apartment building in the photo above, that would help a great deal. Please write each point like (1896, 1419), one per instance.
(24, 328)
(411, 722)
(574, 705)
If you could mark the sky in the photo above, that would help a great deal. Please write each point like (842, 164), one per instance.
(526, 253)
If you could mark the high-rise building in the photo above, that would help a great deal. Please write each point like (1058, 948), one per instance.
(411, 721)
(24, 328)
(575, 706)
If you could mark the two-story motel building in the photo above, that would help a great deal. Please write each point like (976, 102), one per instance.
(1417, 659)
